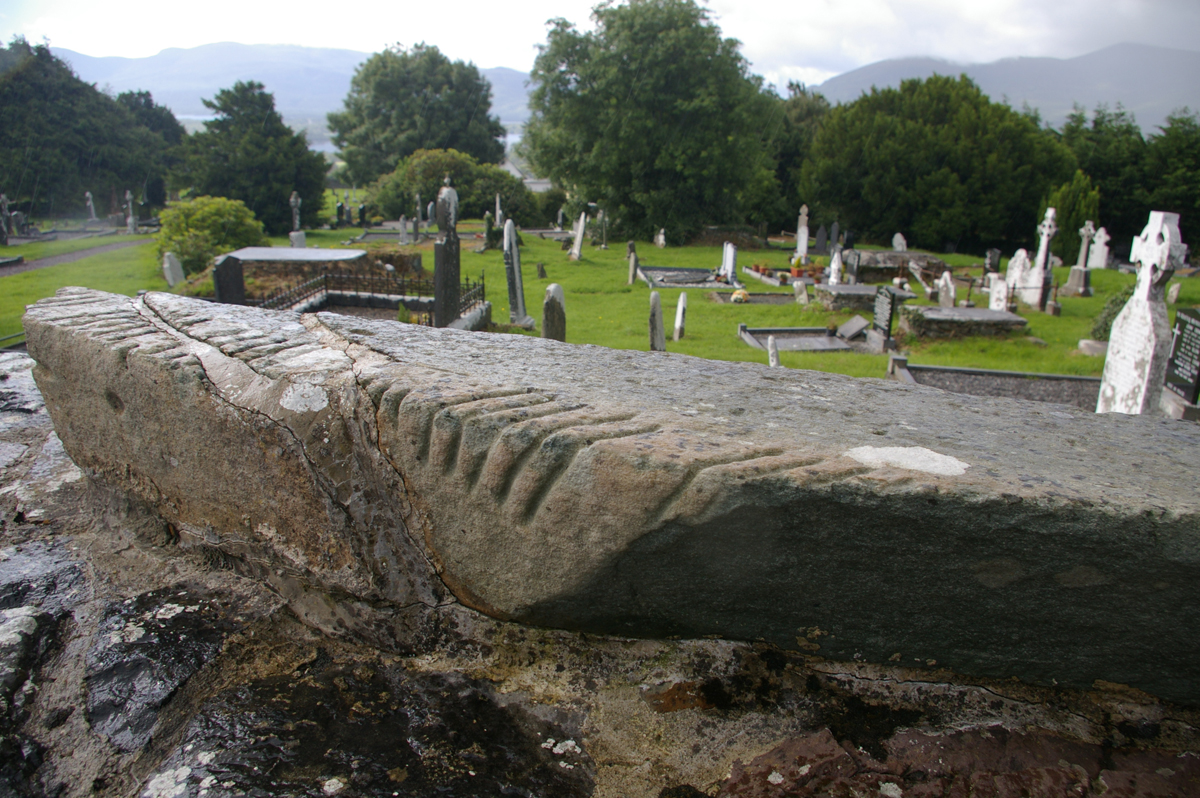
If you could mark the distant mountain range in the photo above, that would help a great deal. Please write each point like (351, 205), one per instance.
(1149, 81)
(309, 82)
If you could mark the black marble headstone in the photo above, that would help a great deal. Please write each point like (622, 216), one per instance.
(229, 283)
(849, 239)
(822, 240)
(341, 212)
(1183, 369)
(834, 233)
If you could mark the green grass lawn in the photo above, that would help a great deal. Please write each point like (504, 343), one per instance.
(48, 249)
(123, 271)
(602, 309)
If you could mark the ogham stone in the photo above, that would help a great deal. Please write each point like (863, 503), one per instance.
(1139, 344)
(404, 468)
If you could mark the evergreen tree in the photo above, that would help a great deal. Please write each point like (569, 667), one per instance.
(1173, 174)
(247, 153)
(653, 116)
(1074, 203)
(60, 137)
(1111, 151)
(936, 160)
(401, 101)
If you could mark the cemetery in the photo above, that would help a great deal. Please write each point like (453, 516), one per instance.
(292, 505)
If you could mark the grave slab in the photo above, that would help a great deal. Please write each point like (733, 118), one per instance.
(845, 297)
(941, 322)
(638, 494)
(792, 339)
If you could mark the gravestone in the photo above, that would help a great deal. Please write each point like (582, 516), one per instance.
(404, 237)
(1086, 234)
(658, 335)
(947, 291)
(822, 240)
(499, 212)
(541, 271)
(1173, 293)
(849, 240)
(1098, 255)
(339, 214)
(852, 328)
(91, 206)
(800, 288)
(728, 270)
(899, 244)
(835, 234)
(558, 220)
(554, 314)
(1079, 283)
(447, 280)
(885, 311)
(630, 248)
(997, 293)
(850, 261)
(772, 352)
(294, 201)
(362, 215)
(835, 266)
(660, 238)
(680, 315)
(172, 269)
(512, 270)
(1019, 281)
(577, 244)
(991, 262)
(297, 239)
(417, 220)
(1139, 344)
(633, 268)
(130, 213)
(1037, 279)
(416, 230)
(802, 236)
(229, 283)
(1183, 368)
(430, 211)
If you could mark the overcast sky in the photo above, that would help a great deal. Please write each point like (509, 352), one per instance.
(806, 40)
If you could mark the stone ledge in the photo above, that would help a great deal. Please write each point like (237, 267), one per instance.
(640, 494)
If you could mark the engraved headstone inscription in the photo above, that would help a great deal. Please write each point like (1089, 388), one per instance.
(1183, 369)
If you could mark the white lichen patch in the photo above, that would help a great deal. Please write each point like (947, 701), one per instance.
(170, 784)
(128, 634)
(914, 458)
(168, 611)
(776, 777)
(333, 786)
(304, 399)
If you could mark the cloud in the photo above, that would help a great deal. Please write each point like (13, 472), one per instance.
(807, 40)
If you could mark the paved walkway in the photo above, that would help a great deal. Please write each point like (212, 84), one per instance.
(68, 257)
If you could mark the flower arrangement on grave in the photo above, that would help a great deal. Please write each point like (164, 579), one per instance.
(740, 296)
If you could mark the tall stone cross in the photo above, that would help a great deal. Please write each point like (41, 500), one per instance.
(1139, 345)
(1086, 234)
(295, 201)
(1039, 274)
(131, 219)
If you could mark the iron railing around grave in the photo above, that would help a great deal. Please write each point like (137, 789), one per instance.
(470, 293)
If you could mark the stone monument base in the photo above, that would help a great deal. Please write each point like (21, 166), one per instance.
(1173, 406)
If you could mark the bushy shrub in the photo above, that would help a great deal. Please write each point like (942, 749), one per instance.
(199, 229)
(1115, 304)
(477, 186)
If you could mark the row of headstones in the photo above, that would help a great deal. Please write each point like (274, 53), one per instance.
(825, 239)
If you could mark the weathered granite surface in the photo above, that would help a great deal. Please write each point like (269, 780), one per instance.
(634, 493)
(482, 707)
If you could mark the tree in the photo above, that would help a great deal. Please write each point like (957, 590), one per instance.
(60, 137)
(247, 153)
(401, 101)
(198, 230)
(793, 128)
(1173, 174)
(1111, 151)
(1074, 202)
(157, 119)
(936, 160)
(653, 116)
(477, 186)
